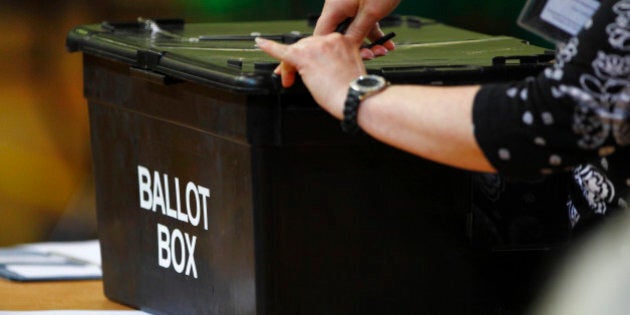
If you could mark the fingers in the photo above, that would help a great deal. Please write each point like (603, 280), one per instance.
(314, 54)
(371, 53)
(287, 74)
(364, 25)
(367, 54)
(272, 48)
(335, 13)
(325, 63)
(328, 23)
(376, 33)
(381, 42)
(279, 51)
(332, 15)
(365, 14)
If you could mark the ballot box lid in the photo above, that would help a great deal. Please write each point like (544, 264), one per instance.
(224, 55)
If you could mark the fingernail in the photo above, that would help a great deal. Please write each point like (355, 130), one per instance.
(259, 40)
(380, 51)
(367, 54)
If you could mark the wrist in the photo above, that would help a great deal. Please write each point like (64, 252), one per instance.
(360, 89)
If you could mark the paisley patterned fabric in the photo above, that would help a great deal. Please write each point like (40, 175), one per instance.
(570, 118)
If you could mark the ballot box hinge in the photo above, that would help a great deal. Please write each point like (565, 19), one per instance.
(148, 59)
(146, 63)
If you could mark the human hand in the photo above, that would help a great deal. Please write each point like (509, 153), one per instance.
(365, 14)
(326, 64)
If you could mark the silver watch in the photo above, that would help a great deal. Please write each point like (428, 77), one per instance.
(360, 88)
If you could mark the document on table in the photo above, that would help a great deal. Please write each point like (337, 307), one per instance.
(51, 261)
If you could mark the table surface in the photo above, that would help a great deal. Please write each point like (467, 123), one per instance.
(55, 295)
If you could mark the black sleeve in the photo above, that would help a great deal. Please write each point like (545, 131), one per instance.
(574, 112)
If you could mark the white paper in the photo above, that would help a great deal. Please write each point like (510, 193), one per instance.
(32, 259)
(51, 261)
(88, 251)
(569, 15)
(33, 272)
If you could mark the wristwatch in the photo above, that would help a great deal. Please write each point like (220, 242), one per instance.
(360, 89)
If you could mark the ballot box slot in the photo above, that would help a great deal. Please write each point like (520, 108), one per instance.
(144, 24)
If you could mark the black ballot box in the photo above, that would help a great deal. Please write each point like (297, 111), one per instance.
(220, 193)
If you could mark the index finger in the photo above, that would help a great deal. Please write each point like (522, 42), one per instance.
(272, 48)
(279, 51)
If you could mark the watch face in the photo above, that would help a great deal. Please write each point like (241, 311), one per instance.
(368, 83)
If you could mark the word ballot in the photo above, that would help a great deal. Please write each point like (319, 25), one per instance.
(161, 194)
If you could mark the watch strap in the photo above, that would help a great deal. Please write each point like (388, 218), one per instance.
(350, 112)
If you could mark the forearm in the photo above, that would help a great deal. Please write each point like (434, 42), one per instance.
(431, 122)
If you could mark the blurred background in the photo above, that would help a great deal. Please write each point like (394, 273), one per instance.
(46, 184)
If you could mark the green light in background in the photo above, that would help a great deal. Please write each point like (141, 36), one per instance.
(220, 7)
